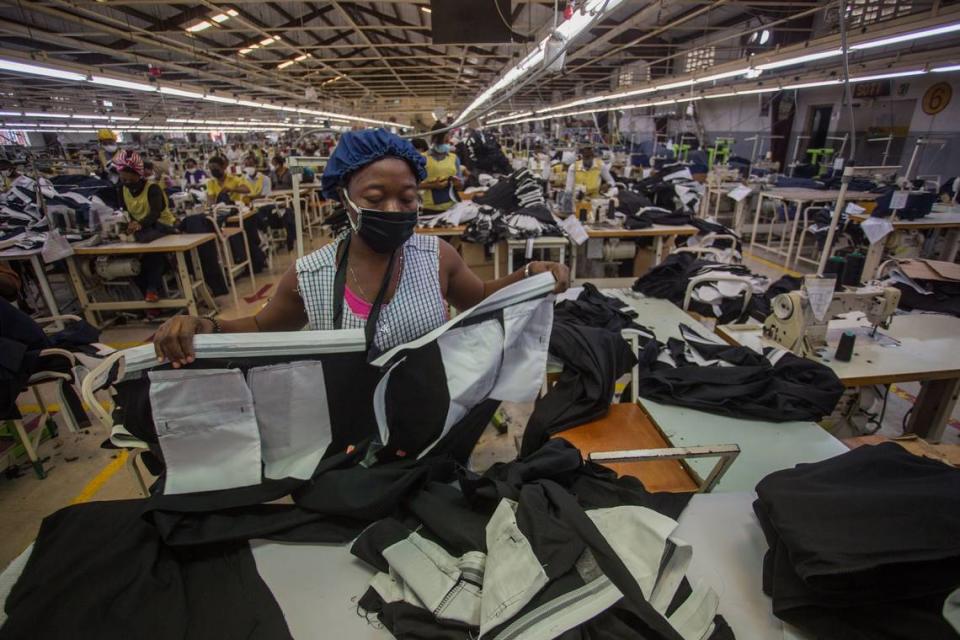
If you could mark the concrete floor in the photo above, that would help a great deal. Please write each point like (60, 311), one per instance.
(79, 470)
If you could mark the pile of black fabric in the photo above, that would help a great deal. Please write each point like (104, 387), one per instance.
(760, 305)
(701, 373)
(586, 338)
(521, 189)
(486, 228)
(481, 153)
(649, 216)
(669, 280)
(864, 546)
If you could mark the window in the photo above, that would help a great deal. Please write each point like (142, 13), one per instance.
(698, 59)
(633, 74)
(9, 136)
(864, 12)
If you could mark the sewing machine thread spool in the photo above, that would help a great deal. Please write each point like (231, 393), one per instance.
(845, 348)
(853, 272)
(835, 267)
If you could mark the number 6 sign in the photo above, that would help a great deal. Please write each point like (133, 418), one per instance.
(937, 98)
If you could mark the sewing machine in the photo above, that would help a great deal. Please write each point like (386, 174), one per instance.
(113, 228)
(794, 325)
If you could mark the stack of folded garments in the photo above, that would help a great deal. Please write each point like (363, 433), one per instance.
(863, 546)
(518, 191)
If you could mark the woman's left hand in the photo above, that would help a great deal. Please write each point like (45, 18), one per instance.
(560, 272)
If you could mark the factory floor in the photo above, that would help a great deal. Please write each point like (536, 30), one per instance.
(79, 470)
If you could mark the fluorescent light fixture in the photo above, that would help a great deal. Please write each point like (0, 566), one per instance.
(89, 117)
(723, 76)
(124, 118)
(285, 64)
(20, 67)
(762, 90)
(266, 41)
(907, 37)
(426, 9)
(107, 103)
(809, 57)
(47, 115)
(244, 52)
(122, 84)
(674, 85)
(212, 98)
(220, 17)
(200, 26)
(713, 96)
(808, 85)
(10, 113)
(301, 57)
(172, 91)
(884, 76)
(953, 67)
(247, 103)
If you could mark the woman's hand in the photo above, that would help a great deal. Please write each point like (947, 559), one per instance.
(133, 226)
(174, 339)
(560, 271)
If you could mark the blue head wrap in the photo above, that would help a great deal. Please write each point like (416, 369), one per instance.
(357, 149)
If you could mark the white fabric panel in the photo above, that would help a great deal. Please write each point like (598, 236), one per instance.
(293, 416)
(207, 429)
(513, 575)
(527, 329)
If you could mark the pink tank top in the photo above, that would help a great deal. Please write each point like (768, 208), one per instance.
(359, 306)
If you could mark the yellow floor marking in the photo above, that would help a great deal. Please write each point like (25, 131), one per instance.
(773, 265)
(101, 479)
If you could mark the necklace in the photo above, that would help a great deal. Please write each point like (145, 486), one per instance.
(356, 280)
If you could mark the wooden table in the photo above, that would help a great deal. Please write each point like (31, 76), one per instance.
(177, 244)
(32, 256)
(660, 232)
(927, 353)
(627, 427)
(443, 232)
(765, 447)
(799, 196)
(947, 221)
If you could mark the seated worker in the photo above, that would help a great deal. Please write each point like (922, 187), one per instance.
(150, 218)
(443, 172)
(280, 176)
(587, 171)
(420, 145)
(378, 264)
(9, 173)
(193, 175)
(221, 186)
(257, 183)
(107, 148)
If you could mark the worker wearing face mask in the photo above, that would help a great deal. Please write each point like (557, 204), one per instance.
(443, 175)
(224, 187)
(8, 171)
(591, 173)
(108, 148)
(257, 183)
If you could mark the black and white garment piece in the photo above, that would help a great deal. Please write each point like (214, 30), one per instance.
(708, 374)
(214, 424)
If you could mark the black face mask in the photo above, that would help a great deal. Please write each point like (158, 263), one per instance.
(587, 163)
(216, 173)
(383, 231)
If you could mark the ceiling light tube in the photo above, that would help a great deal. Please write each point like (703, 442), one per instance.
(674, 85)
(212, 98)
(89, 117)
(200, 26)
(32, 69)
(953, 67)
(284, 65)
(46, 115)
(122, 84)
(172, 91)
(15, 114)
(124, 118)
(799, 59)
(723, 76)
(809, 85)
(762, 90)
(907, 37)
(884, 76)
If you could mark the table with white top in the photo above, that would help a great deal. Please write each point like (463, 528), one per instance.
(941, 219)
(804, 198)
(33, 257)
(765, 447)
(179, 245)
(924, 348)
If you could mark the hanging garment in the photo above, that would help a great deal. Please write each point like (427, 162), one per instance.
(712, 376)
(874, 561)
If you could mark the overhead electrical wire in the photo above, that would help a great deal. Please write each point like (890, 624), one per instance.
(848, 95)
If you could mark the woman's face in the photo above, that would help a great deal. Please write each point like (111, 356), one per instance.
(129, 178)
(386, 185)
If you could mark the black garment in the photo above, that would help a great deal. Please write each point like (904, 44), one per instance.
(873, 561)
(760, 307)
(593, 309)
(669, 280)
(97, 570)
(593, 358)
(481, 153)
(209, 260)
(789, 388)
(944, 297)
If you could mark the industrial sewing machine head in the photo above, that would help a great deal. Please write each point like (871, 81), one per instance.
(794, 324)
(113, 228)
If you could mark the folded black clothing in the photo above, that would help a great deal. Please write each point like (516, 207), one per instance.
(943, 297)
(760, 306)
(99, 571)
(863, 545)
(594, 309)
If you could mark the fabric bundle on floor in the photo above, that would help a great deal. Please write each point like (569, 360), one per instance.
(710, 375)
(863, 546)
(721, 300)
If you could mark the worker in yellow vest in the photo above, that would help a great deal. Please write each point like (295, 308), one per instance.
(150, 218)
(107, 141)
(222, 186)
(443, 175)
(590, 172)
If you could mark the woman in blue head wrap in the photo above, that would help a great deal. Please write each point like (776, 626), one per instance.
(379, 275)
